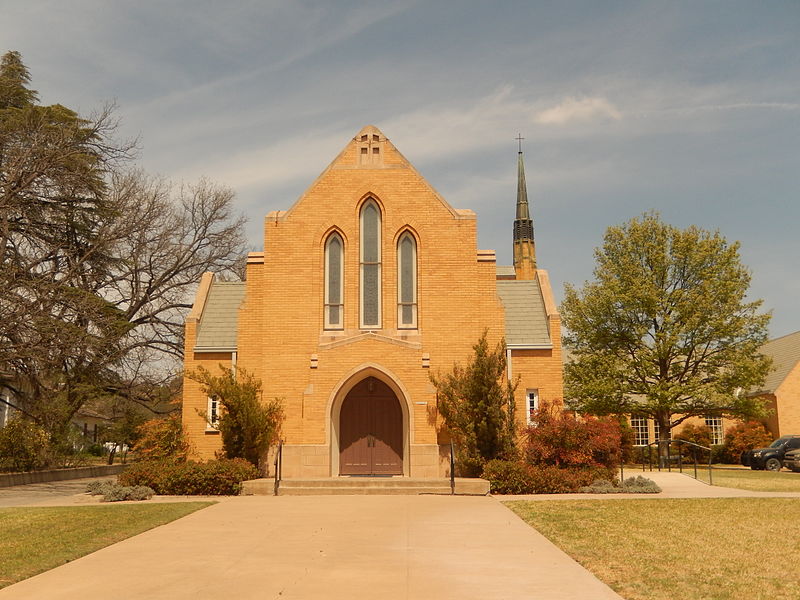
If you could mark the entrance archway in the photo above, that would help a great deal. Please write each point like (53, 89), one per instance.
(371, 430)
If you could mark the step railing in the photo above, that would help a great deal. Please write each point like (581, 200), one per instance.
(278, 466)
(452, 470)
(681, 444)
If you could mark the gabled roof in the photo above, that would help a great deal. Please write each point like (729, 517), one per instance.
(526, 318)
(785, 354)
(216, 331)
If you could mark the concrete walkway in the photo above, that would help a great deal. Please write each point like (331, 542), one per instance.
(328, 547)
(386, 547)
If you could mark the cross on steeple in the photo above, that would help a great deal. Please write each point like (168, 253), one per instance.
(519, 138)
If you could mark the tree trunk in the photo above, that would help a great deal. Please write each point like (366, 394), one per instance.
(663, 440)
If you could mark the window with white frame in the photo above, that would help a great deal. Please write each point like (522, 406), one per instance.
(657, 429)
(212, 414)
(531, 405)
(370, 266)
(334, 280)
(715, 426)
(407, 282)
(641, 432)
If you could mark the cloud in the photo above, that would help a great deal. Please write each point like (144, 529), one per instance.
(574, 109)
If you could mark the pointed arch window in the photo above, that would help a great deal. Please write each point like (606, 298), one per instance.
(334, 280)
(370, 266)
(407, 282)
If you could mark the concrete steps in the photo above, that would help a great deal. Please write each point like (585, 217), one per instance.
(360, 486)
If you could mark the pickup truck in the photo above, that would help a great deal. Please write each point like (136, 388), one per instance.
(771, 458)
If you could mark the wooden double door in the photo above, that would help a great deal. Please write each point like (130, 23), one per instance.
(371, 431)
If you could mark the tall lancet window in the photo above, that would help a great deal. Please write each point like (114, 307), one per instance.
(334, 290)
(370, 265)
(407, 282)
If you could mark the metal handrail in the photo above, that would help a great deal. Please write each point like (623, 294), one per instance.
(680, 457)
(278, 466)
(452, 470)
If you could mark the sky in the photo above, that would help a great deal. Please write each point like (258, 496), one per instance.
(688, 108)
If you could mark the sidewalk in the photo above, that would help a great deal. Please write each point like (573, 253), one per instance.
(315, 547)
(304, 547)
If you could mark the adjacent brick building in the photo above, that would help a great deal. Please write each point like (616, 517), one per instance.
(370, 280)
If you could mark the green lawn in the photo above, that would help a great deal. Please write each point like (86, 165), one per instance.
(33, 540)
(759, 481)
(698, 549)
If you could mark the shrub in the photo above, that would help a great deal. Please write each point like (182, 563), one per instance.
(516, 477)
(162, 439)
(698, 434)
(247, 424)
(213, 478)
(114, 492)
(560, 439)
(632, 485)
(476, 403)
(640, 485)
(744, 436)
(508, 477)
(24, 445)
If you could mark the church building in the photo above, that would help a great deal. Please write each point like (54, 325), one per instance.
(369, 282)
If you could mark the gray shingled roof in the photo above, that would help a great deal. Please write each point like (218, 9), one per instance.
(526, 319)
(785, 353)
(504, 271)
(217, 327)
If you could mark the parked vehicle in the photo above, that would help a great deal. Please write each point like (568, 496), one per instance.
(771, 458)
(792, 460)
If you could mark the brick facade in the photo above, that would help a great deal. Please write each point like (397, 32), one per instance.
(281, 336)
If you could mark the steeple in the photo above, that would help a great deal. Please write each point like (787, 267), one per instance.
(524, 247)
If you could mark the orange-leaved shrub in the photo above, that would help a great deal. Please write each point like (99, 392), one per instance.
(744, 436)
(561, 453)
(162, 439)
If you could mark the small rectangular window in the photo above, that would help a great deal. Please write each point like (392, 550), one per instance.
(531, 405)
(212, 414)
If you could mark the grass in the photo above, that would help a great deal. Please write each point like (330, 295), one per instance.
(703, 549)
(757, 481)
(33, 540)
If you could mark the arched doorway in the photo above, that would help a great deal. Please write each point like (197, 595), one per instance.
(371, 430)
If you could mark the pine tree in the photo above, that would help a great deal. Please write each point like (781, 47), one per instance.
(476, 403)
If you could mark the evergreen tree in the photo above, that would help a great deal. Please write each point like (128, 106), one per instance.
(477, 405)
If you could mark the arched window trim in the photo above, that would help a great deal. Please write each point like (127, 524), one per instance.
(407, 308)
(364, 265)
(331, 306)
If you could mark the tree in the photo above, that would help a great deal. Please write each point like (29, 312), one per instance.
(477, 405)
(97, 262)
(247, 424)
(665, 330)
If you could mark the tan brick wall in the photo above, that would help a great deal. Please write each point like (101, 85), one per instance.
(788, 403)
(281, 320)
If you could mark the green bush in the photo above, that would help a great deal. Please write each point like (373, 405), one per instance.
(516, 477)
(508, 477)
(213, 478)
(24, 445)
(114, 492)
(632, 485)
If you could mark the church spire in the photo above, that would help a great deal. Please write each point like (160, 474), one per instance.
(524, 247)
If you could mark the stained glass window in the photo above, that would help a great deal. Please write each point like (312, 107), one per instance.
(407, 282)
(370, 266)
(334, 300)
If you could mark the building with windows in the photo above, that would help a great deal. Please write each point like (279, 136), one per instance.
(366, 284)
(781, 389)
